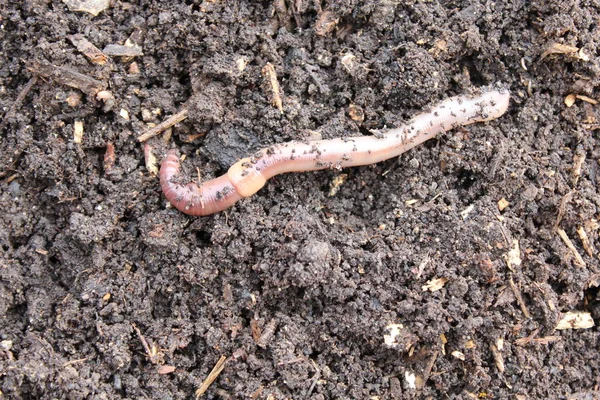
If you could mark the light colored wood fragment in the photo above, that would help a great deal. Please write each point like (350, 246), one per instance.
(578, 259)
(212, 376)
(270, 76)
(83, 45)
(502, 204)
(575, 320)
(434, 285)
(498, 359)
(587, 99)
(169, 122)
(578, 160)
(585, 241)
(77, 132)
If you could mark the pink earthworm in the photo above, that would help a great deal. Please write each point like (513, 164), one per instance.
(248, 175)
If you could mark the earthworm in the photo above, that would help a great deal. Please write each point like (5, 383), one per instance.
(248, 175)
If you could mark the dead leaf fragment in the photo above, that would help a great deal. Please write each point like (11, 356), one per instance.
(571, 51)
(435, 284)
(93, 7)
(575, 320)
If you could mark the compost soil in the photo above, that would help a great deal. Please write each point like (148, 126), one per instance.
(440, 274)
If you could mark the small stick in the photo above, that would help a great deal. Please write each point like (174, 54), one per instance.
(151, 352)
(526, 340)
(497, 357)
(567, 241)
(587, 245)
(68, 76)
(519, 298)
(214, 374)
(169, 122)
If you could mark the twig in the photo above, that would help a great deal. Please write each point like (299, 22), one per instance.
(567, 241)
(169, 122)
(150, 351)
(214, 374)
(519, 298)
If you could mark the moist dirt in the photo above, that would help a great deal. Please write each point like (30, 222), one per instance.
(443, 273)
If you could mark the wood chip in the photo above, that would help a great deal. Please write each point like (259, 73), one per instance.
(109, 157)
(547, 339)
(575, 320)
(570, 100)
(578, 160)
(212, 376)
(578, 259)
(585, 241)
(77, 132)
(169, 122)
(120, 50)
(150, 159)
(270, 77)
(92, 53)
(498, 359)
(67, 76)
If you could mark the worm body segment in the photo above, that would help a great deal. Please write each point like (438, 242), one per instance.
(248, 175)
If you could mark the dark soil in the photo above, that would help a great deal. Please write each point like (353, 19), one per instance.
(295, 287)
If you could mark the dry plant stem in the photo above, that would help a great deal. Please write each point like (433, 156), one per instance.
(248, 175)
(212, 376)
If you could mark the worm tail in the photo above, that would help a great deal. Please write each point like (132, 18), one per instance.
(207, 198)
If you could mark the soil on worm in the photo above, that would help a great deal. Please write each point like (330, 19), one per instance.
(441, 274)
